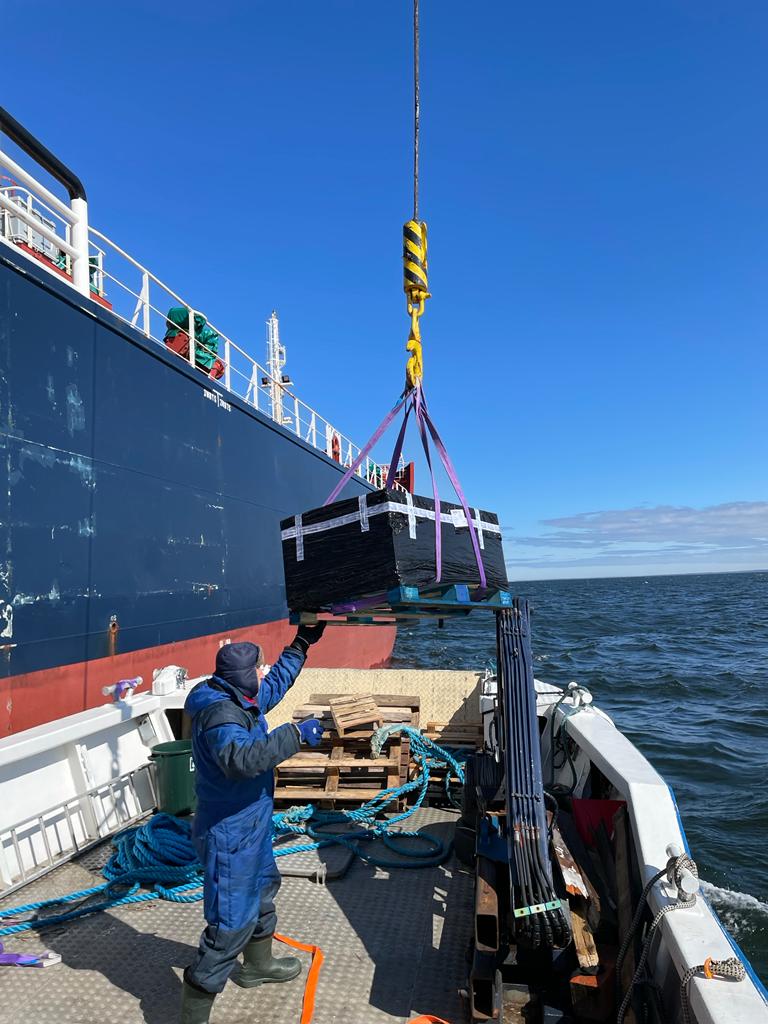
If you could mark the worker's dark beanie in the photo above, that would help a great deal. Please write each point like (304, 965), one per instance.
(236, 664)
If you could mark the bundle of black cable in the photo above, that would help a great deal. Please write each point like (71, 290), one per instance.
(539, 921)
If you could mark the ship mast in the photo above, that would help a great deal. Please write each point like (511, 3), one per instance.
(276, 358)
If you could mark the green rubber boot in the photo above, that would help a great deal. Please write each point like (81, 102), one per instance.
(260, 967)
(195, 1004)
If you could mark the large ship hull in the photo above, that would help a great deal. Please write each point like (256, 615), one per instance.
(140, 521)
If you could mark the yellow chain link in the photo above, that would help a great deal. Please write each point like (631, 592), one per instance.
(417, 291)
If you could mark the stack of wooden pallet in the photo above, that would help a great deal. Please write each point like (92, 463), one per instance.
(457, 735)
(342, 769)
(461, 737)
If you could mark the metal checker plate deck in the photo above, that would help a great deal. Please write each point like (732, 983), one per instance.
(394, 944)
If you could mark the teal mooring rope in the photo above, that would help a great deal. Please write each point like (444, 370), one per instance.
(159, 855)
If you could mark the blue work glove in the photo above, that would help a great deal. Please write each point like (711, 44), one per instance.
(311, 732)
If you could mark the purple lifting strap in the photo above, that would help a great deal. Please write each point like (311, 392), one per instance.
(452, 476)
(421, 410)
(415, 400)
(17, 959)
(397, 451)
(374, 438)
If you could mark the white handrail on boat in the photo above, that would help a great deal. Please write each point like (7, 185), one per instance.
(87, 259)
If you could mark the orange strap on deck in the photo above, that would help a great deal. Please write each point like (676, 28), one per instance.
(427, 1018)
(310, 988)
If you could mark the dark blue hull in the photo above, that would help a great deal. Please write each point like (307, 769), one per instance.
(142, 500)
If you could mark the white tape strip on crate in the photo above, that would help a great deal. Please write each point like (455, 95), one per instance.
(479, 524)
(301, 530)
(361, 501)
(298, 533)
(411, 515)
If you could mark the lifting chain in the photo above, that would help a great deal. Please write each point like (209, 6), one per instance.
(416, 290)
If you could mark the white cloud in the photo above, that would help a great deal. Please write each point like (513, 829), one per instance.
(666, 538)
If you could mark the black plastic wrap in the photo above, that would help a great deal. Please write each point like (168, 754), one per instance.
(376, 551)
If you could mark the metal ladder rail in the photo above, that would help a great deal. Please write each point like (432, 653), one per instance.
(65, 809)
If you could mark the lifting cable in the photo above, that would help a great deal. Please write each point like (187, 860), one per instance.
(412, 398)
(415, 283)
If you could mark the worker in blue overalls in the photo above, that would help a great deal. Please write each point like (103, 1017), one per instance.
(235, 755)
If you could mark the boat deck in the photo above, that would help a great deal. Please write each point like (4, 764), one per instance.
(395, 945)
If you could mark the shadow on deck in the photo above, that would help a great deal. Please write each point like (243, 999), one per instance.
(394, 942)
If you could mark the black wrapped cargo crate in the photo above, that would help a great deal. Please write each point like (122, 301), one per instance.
(370, 544)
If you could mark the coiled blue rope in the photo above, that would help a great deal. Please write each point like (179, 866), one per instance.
(159, 855)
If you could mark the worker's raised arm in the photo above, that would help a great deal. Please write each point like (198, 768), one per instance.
(284, 672)
(241, 755)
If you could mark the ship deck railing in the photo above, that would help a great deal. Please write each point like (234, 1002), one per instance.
(36, 223)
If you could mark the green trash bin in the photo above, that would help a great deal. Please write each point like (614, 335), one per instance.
(174, 776)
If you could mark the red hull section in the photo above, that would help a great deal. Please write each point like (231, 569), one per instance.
(39, 697)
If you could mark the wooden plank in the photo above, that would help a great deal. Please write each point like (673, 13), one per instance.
(333, 770)
(393, 775)
(384, 700)
(583, 939)
(453, 727)
(311, 795)
(574, 883)
(362, 736)
(339, 761)
(393, 713)
(393, 716)
(595, 907)
(624, 902)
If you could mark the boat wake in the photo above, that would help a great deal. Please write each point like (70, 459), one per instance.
(728, 899)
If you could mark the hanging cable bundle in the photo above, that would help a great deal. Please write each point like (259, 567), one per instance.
(539, 921)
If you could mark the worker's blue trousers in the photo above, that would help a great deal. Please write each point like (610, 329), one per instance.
(218, 950)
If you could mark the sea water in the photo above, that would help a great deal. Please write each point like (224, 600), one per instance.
(681, 665)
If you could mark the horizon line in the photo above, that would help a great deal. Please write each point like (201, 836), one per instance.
(635, 575)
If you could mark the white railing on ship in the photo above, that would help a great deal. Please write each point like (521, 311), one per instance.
(91, 261)
(74, 218)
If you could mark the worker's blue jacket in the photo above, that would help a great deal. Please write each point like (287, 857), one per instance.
(235, 756)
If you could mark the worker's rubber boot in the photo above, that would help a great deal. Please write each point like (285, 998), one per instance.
(260, 967)
(195, 1004)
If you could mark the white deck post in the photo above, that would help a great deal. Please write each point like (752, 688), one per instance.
(191, 329)
(81, 276)
(145, 303)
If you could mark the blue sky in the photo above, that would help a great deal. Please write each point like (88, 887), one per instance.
(594, 179)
